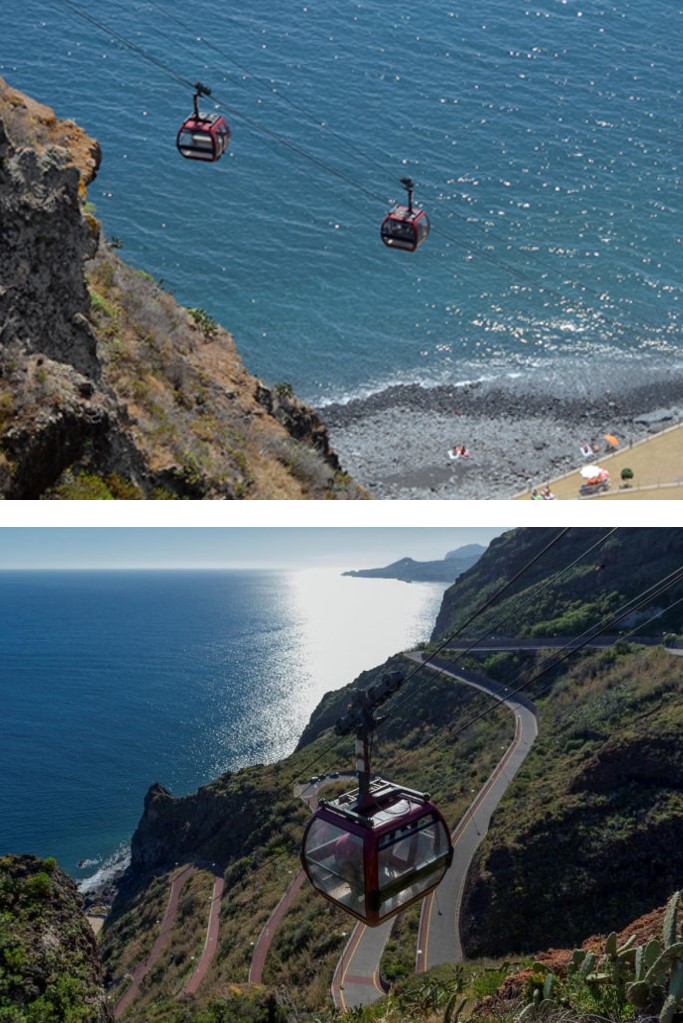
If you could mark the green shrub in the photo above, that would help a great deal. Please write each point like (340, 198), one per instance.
(39, 886)
(206, 323)
(82, 487)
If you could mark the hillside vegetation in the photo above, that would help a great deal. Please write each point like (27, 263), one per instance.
(251, 823)
(627, 563)
(594, 817)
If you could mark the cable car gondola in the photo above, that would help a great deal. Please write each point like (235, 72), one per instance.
(405, 227)
(203, 136)
(381, 847)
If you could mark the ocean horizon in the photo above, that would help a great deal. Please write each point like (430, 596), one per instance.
(542, 138)
(117, 679)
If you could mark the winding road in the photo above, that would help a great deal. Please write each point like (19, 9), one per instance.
(167, 923)
(357, 978)
(165, 931)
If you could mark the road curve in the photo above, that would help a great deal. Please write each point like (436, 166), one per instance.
(439, 932)
(357, 979)
(309, 793)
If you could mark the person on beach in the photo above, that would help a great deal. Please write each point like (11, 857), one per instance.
(547, 494)
(535, 496)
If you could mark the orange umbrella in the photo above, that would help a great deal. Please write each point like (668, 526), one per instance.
(611, 439)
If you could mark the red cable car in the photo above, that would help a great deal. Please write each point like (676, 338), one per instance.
(381, 847)
(203, 136)
(405, 227)
(375, 861)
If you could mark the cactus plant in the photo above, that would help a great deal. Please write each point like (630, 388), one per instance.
(658, 969)
(648, 976)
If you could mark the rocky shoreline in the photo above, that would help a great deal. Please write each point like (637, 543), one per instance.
(396, 442)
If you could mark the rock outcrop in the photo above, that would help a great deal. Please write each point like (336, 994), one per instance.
(49, 962)
(220, 822)
(108, 388)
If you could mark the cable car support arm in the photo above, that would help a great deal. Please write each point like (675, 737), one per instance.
(361, 719)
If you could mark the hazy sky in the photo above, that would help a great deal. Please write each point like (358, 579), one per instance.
(238, 547)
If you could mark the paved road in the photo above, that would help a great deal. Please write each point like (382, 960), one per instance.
(357, 979)
(550, 642)
(439, 933)
(309, 793)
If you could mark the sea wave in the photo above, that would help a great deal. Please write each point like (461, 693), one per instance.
(562, 377)
(111, 869)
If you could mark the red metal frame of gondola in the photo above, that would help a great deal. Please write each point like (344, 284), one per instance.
(211, 126)
(351, 822)
(406, 215)
(366, 814)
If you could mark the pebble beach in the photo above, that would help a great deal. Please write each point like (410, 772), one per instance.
(396, 442)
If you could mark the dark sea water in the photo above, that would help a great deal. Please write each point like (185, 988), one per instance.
(111, 681)
(544, 137)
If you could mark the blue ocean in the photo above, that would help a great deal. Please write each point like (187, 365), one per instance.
(543, 137)
(114, 680)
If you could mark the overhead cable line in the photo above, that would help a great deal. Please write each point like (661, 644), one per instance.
(533, 598)
(254, 125)
(269, 86)
(633, 631)
(364, 154)
(631, 606)
(494, 597)
(578, 643)
(501, 264)
(470, 249)
(636, 603)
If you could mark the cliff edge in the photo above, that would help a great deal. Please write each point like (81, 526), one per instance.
(108, 388)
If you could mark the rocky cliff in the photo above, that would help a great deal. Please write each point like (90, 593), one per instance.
(109, 388)
(49, 964)
(224, 821)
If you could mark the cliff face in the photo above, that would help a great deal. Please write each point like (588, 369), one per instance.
(221, 822)
(49, 963)
(44, 242)
(108, 388)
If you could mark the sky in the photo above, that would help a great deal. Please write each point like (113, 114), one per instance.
(230, 547)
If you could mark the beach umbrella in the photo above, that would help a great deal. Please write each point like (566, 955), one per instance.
(611, 439)
(590, 472)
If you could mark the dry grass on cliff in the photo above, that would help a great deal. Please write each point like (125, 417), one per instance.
(192, 405)
(32, 124)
